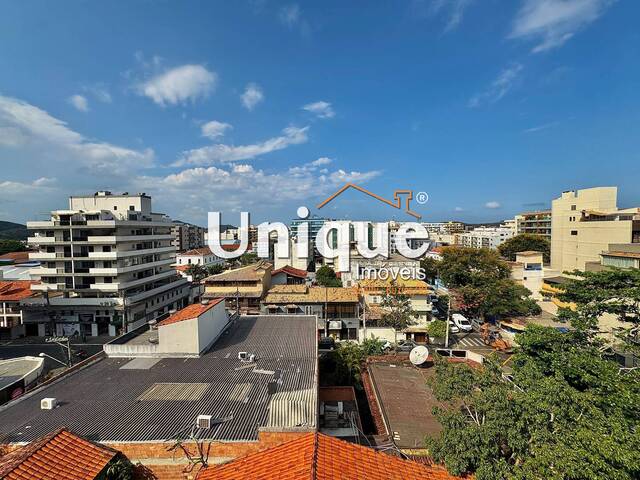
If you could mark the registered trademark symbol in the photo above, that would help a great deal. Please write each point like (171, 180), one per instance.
(422, 197)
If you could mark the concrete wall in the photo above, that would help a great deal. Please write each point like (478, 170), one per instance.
(381, 333)
(195, 335)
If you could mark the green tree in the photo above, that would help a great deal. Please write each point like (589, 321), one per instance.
(437, 329)
(430, 266)
(482, 285)
(8, 246)
(615, 292)
(372, 347)
(215, 269)
(326, 277)
(568, 414)
(197, 272)
(525, 242)
(248, 258)
(471, 266)
(397, 311)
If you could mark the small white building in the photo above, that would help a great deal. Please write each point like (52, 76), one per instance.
(198, 256)
(528, 270)
(485, 237)
(192, 330)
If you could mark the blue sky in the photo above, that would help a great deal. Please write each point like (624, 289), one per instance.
(491, 107)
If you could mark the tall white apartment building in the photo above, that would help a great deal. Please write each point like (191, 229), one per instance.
(485, 237)
(106, 266)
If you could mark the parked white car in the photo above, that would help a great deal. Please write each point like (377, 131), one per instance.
(462, 322)
(452, 327)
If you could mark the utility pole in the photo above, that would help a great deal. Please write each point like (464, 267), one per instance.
(446, 336)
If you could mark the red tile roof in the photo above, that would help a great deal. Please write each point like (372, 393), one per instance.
(15, 290)
(197, 252)
(294, 272)
(61, 455)
(190, 312)
(315, 456)
(16, 257)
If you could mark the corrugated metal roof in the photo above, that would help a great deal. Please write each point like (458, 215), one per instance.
(102, 402)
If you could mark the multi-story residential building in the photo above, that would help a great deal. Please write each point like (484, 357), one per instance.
(106, 265)
(535, 223)
(585, 222)
(242, 288)
(445, 228)
(187, 236)
(484, 237)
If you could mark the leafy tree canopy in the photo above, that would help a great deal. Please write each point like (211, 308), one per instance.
(215, 269)
(397, 310)
(568, 414)
(437, 329)
(525, 242)
(430, 266)
(8, 246)
(471, 266)
(614, 292)
(326, 277)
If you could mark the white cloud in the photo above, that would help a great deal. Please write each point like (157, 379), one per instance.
(33, 127)
(458, 209)
(540, 127)
(493, 204)
(222, 153)
(179, 85)
(242, 187)
(252, 96)
(453, 10)
(290, 14)
(13, 187)
(499, 87)
(320, 109)
(214, 129)
(321, 161)
(550, 23)
(79, 102)
(100, 92)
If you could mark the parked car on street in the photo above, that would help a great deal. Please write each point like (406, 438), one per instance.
(406, 345)
(452, 327)
(461, 322)
(326, 343)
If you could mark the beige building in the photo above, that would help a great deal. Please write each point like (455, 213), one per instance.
(585, 222)
(242, 288)
(534, 223)
(528, 271)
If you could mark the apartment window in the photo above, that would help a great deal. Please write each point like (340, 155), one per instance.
(131, 207)
(574, 232)
(573, 207)
(115, 207)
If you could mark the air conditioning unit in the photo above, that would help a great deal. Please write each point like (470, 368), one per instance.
(204, 421)
(48, 403)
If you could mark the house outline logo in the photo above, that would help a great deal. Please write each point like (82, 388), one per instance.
(396, 203)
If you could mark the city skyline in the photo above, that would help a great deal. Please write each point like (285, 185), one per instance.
(428, 96)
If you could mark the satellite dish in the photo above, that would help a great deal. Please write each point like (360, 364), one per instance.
(419, 355)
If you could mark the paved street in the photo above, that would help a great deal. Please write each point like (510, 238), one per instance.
(57, 352)
(469, 341)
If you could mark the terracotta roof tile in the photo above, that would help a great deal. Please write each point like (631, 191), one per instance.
(249, 273)
(304, 294)
(191, 311)
(16, 257)
(197, 252)
(15, 290)
(61, 455)
(294, 272)
(315, 456)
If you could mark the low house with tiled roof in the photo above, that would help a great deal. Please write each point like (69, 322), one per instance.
(11, 312)
(242, 288)
(61, 455)
(320, 457)
(198, 256)
(337, 308)
(288, 275)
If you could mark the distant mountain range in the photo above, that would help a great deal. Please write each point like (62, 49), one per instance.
(12, 231)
